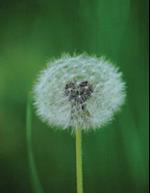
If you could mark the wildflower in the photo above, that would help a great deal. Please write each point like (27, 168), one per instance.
(79, 92)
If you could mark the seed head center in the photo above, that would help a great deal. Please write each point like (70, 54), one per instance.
(78, 93)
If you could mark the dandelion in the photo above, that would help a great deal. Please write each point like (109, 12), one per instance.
(79, 92)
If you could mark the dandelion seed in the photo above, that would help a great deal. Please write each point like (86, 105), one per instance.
(79, 92)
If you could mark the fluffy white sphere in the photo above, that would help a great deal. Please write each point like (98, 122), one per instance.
(79, 92)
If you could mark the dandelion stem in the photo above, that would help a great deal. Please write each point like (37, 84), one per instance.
(79, 171)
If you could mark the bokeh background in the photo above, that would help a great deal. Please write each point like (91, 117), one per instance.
(31, 33)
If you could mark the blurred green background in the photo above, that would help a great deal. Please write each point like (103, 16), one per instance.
(31, 33)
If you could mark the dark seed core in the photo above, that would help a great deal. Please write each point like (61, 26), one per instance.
(78, 93)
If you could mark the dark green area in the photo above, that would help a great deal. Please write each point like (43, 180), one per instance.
(31, 33)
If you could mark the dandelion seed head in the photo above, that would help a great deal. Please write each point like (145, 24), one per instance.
(79, 92)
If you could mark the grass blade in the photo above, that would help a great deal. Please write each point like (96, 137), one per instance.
(35, 182)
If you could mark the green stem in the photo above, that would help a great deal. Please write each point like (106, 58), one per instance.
(79, 170)
(36, 186)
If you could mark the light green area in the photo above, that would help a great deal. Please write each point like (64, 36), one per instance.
(34, 177)
(79, 168)
(34, 31)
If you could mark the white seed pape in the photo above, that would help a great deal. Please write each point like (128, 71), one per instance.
(108, 91)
